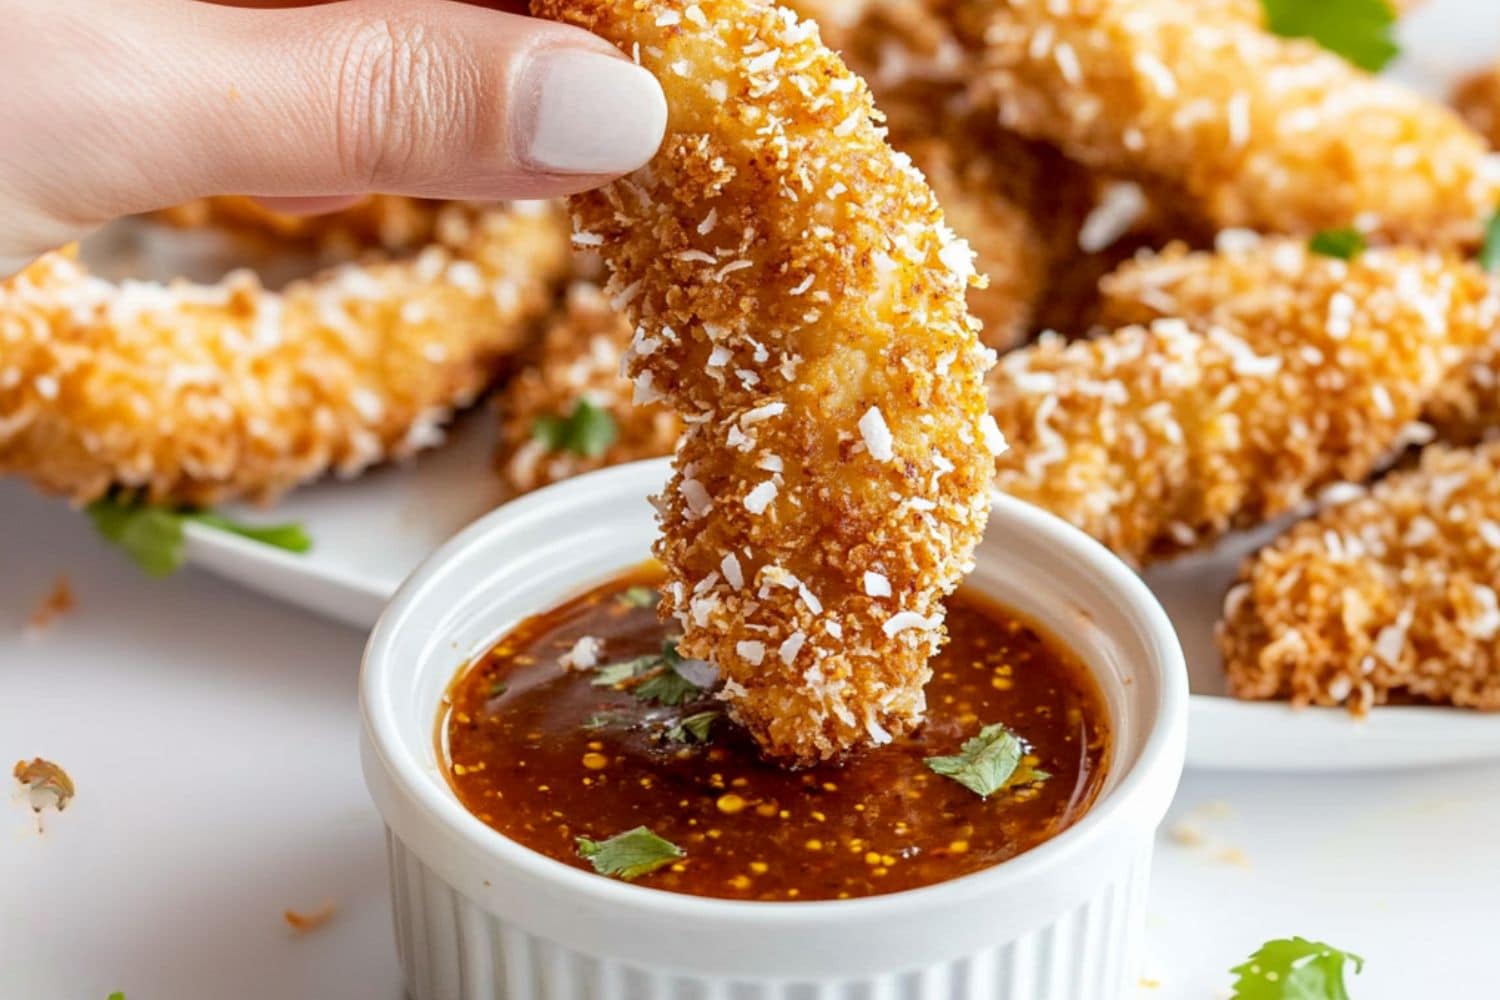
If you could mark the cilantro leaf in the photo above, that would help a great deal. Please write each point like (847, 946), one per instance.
(289, 536)
(153, 538)
(693, 728)
(629, 855)
(660, 680)
(639, 597)
(985, 763)
(1358, 30)
(588, 431)
(603, 720)
(1344, 244)
(1489, 252)
(1294, 969)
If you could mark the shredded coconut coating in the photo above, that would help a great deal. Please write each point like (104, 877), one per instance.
(1018, 203)
(1248, 379)
(800, 301)
(1465, 407)
(578, 358)
(1255, 130)
(1388, 595)
(194, 394)
(1477, 99)
(382, 221)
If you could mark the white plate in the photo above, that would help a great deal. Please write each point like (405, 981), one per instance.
(370, 533)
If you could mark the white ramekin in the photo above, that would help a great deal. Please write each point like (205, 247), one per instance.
(479, 917)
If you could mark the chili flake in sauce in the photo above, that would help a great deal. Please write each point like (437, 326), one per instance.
(542, 751)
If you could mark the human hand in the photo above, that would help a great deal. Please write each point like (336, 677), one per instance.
(108, 108)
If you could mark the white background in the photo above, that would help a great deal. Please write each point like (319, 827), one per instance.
(211, 733)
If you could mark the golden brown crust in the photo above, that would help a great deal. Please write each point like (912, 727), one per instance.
(799, 300)
(1254, 130)
(1389, 594)
(1266, 372)
(577, 358)
(1477, 98)
(194, 394)
(389, 222)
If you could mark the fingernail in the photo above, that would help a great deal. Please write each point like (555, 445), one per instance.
(591, 113)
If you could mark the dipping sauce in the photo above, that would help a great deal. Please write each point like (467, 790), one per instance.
(578, 724)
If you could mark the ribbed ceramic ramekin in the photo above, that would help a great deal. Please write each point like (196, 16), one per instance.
(479, 917)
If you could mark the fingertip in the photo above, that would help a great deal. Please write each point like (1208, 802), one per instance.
(587, 112)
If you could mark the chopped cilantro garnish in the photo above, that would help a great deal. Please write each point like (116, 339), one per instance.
(1345, 244)
(639, 597)
(628, 855)
(587, 431)
(693, 728)
(602, 720)
(153, 536)
(659, 679)
(1489, 253)
(988, 762)
(1358, 30)
(1294, 969)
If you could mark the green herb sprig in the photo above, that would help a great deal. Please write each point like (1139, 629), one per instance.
(653, 677)
(693, 728)
(1489, 251)
(988, 762)
(629, 855)
(1294, 969)
(588, 430)
(1362, 31)
(1343, 244)
(153, 536)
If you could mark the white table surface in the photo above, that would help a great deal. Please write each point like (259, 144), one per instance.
(211, 734)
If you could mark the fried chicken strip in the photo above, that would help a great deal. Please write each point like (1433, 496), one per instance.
(1261, 374)
(800, 301)
(577, 361)
(1389, 594)
(389, 222)
(1254, 130)
(195, 394)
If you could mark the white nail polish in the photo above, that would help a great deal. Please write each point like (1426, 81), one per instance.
(592, 114)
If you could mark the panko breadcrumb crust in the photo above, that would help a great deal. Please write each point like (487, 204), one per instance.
(1391, 594)
(382, 221)
(577, 358)
(1241, 382)
(800, 302)
(194, 394)
(1019, 204)
(1253, 129)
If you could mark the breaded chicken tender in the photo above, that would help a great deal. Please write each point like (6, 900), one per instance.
(577, 361)
(1262, 373)
(1019, 204)
(1389, 595)
(389, 222)
(1253, 130)
(193, 394)
(800, 302)
(1464, 409)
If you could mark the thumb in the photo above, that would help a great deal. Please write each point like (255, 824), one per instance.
(149, 104)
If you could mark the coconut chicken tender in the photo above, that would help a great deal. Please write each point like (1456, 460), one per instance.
(194, 394)
(1392, 593)
(383, 221)
(1248, 379)
(800, 302)
(574, 378)
(1254, 130)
